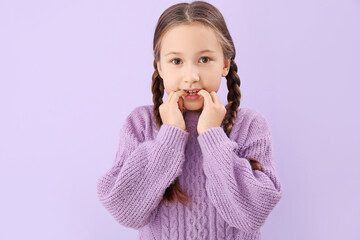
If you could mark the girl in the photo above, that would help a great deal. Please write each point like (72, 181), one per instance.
(189, 167)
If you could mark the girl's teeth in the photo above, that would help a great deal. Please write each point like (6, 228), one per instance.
(192, 92)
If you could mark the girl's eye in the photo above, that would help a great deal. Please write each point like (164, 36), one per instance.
(174, 59)
(206, 58)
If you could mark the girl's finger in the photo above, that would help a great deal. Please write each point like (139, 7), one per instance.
(206, 95)
(215, 97)
(176, 95)
(168, 99)
(179, 93)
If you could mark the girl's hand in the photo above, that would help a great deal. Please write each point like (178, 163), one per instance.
(213, 112)
(171, 111)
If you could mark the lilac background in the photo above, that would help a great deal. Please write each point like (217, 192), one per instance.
(71, 71)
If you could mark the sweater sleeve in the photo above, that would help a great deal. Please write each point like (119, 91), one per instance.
(133, 187)
(242, 196)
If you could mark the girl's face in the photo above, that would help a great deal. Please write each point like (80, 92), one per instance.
(191, 57)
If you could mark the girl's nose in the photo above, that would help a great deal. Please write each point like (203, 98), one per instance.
(191, 74)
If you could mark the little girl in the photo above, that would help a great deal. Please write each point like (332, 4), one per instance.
(190, 167)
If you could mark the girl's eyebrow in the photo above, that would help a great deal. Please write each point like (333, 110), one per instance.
(206, 50)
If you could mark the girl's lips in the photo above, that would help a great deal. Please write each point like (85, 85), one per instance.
(192, 97)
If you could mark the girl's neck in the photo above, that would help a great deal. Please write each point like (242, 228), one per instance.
(193, 111)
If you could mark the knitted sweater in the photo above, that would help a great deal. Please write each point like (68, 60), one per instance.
(229, 200)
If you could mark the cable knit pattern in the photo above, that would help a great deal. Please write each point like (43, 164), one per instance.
(229, 200)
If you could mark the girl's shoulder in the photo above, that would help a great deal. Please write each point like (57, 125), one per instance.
(141, 115)
(250, 125)
(140, 121)
(249, 114)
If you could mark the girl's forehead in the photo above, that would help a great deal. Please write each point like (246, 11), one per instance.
(190, 37)
(194, 27)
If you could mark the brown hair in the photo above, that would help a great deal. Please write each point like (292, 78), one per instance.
(185, 13)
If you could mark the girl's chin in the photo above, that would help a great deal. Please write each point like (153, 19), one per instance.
(193, 105)
(193, 109)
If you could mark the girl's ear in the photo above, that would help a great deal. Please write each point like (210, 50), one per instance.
(226, 68)
(159, 69)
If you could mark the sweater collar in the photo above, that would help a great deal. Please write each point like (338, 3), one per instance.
(191, 119)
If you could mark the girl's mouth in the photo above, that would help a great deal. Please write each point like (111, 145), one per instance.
(194, 92)
(192, 96)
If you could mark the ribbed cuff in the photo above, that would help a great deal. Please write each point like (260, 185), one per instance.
(212, 138)
(173, 137)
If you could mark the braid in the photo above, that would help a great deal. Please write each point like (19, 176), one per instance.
(174, 191)
(157, 88)
(233, 97)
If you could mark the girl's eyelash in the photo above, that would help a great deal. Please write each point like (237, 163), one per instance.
(209, 59)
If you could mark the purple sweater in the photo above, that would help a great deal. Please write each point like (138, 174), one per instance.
(229, 199)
